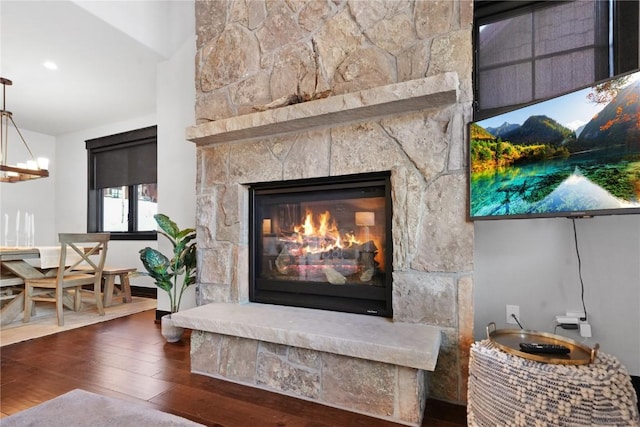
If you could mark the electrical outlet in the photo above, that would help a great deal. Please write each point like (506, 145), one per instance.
(576, 313)
(585, 330)
(513, 310)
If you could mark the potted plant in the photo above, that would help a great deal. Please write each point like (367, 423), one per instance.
(173, 275)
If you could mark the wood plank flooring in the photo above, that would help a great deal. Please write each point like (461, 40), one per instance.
(127, 358)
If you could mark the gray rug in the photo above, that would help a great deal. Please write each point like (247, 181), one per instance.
(80, 408)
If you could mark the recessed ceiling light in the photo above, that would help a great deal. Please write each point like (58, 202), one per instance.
(50, 65)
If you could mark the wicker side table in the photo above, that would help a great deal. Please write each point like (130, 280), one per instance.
(507, 390)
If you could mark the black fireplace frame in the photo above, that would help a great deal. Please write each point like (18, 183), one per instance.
(370, 300)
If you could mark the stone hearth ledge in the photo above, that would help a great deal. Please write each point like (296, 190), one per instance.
(405, 97)
(366, 337)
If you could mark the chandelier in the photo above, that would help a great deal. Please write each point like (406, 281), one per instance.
(31, 169)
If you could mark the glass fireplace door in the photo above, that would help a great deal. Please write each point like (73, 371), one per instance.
(323, 243)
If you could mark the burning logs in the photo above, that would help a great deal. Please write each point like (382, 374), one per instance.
(334, 277)
(336, 266)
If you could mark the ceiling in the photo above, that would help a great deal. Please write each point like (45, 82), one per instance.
(107, 54)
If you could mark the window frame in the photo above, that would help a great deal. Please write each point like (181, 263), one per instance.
(95, 204)
(620, 58)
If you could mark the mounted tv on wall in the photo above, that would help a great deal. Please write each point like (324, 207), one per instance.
(574, 155)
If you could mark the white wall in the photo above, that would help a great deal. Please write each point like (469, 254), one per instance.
(532, 263)
(176, 155)
(35, 197)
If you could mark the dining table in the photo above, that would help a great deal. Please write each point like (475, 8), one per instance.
(18, 264)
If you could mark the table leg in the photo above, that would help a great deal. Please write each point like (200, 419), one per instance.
(12, 309)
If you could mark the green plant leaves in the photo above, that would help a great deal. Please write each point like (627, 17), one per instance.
(167, 225)
(157, 266)
(183, 262)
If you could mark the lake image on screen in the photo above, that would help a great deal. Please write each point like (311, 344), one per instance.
(576, 153)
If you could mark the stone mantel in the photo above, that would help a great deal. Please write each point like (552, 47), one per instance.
(415, 95)
(365, 337)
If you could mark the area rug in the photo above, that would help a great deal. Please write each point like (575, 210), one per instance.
(45, 321)
(82, 408)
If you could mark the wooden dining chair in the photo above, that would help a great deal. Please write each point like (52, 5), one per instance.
(84, 249)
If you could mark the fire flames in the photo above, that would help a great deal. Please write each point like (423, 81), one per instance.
(318, 250)
(321, 236)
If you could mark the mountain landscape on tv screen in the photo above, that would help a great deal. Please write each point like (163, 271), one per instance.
(542, 167)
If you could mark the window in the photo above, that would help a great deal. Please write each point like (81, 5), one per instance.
(526, 51)
(123, 193)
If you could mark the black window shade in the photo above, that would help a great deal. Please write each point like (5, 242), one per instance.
(127, 165)
(124, 159)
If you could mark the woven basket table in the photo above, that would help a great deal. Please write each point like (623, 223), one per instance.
(508, 390)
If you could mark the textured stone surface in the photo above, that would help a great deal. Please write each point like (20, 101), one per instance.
(458, 136)
(412, 394)
(414, 60)
(266, 33)
(253, 162)
(205, 225)
(216, 264)
(433, 17)
(232, 57)
(210, 292)
(394, 34)
(362, 385)
(309, 156)
(308, 358)
(424, 139)
(294, 72)
(363, 69)
(445, 380)
(339, 38)
(377, 389)
(240, 279)
(313, 15)
(451, 53)
(466, 13)
(415, 95)
(205, 352)
(279, 27)
(252, 91)
(400, 233)
(215, 165)
(238, 358)
(367, 15)
(412, 63)
(424, 298)
(277, 349)
(230, 203)
(367, 337)
(465, 328)
(213, 106)
(446, 242)
(210, 18)
(449, 336)
(276, 373)
(363, 147)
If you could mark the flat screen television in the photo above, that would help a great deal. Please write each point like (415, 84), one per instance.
(573, 155)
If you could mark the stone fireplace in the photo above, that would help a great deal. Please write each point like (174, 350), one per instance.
(307, 90)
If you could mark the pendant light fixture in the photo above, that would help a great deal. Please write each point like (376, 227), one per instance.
(32, 168)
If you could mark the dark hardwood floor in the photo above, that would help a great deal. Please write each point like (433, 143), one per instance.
(127, 358)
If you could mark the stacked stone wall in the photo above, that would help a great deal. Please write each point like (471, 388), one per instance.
(252, 53)
(374, 388)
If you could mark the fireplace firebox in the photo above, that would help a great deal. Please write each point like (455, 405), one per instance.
(322, 243)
